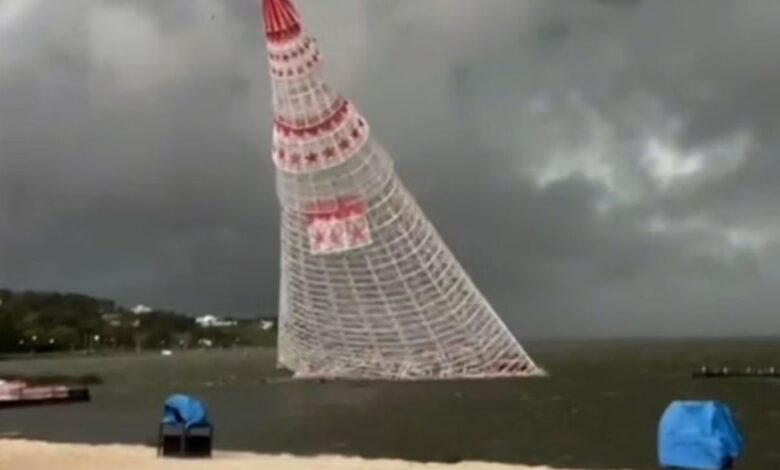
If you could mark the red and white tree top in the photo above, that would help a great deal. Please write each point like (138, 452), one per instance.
(282, 21)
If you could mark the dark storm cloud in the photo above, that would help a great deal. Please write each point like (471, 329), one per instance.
(600, 167)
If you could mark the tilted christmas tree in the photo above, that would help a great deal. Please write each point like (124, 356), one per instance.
(368, 288)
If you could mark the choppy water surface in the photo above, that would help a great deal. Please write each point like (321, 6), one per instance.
(599, 409)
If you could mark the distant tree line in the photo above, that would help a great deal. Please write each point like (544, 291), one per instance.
(41, 322)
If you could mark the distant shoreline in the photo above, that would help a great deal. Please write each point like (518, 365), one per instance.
(123, 353)
(532, 343)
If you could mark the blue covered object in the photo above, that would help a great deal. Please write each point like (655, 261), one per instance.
(698, 436)
(187, 411)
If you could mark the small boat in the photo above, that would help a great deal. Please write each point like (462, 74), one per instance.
(18, 394)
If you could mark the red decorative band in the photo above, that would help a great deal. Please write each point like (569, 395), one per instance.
(284, 36)
(292, 159)
(326, 125)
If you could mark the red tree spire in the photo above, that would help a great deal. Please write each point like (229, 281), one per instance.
(282, 21)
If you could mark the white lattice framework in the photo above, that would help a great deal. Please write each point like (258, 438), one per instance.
(368, 288)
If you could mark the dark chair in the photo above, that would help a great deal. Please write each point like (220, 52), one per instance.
(185, 430)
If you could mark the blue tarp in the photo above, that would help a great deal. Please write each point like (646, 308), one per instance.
(698, 436)
(187, 411)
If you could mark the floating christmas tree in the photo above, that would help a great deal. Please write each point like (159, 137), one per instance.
(368, 288)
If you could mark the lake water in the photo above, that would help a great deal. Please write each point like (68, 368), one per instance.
(599, 408)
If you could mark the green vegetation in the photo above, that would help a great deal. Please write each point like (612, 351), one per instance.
(36, 322)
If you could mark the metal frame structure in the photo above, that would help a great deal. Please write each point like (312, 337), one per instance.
(368, 288)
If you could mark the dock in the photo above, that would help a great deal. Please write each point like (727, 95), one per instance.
(733, 373)
(19, 394)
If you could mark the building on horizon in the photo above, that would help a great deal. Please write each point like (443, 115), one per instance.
(141, 309)
(211, 321)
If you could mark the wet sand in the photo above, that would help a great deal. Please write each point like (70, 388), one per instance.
(31, 455)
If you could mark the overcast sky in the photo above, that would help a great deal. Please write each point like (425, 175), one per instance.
(601, 167)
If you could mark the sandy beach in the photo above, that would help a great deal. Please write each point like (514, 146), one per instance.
(30, 455)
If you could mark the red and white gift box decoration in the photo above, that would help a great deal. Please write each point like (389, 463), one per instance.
(338, 226)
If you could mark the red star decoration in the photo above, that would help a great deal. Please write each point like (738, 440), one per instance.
(355, 134)
(289, 72)
(330, 152)
(358, 208)
(358, 233)
(282, 155)
(361, 123)
(335, 236)
(319, 238)
(285, 57)
(312, 158)
(300, 70)
(309, 64)
(343, 144)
